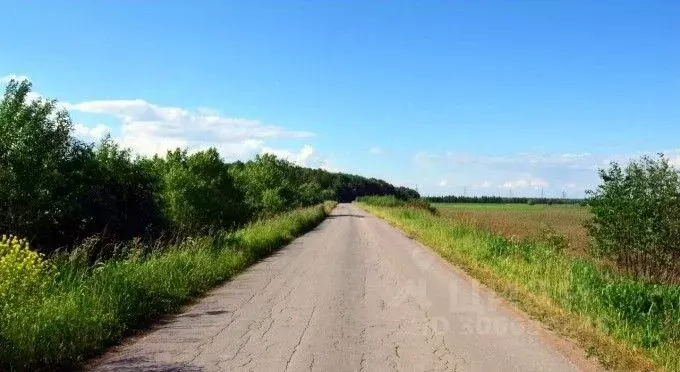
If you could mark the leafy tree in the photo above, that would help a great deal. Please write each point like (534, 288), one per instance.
(636, 216)
(120, 196)
(40, 166)
(197, 191)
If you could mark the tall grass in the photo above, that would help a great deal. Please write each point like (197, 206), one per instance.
(629, 324)
(84, 309)
(392, 201)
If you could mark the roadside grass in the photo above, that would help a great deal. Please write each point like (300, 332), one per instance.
(533, 222)
(83, 309)
(627, 324)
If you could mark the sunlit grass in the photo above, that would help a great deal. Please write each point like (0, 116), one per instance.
(626, 323)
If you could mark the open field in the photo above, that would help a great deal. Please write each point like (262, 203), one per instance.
(518, 221)
(627, 323)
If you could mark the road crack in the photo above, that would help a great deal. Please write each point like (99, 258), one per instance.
(302, 335)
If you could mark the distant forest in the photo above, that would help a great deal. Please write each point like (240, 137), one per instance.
(500, 199)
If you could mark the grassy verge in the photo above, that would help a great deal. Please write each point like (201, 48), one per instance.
(82, 310)
(626, 323)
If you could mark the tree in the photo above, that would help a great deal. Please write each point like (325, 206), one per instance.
(40, 165)
(56, 190)
(197, 191)
(636, 216)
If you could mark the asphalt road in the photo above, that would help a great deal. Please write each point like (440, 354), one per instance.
(354, 294)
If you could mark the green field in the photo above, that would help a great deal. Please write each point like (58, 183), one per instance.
(524, 221)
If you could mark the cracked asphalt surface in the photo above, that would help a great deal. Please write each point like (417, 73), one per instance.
(354, 294)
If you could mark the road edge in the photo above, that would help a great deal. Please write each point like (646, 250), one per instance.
(521, 305)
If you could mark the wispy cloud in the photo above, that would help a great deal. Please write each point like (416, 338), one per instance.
(573, 160)
(522, 183)
(302, 157)
(375, 150)
(93, 132)
(7, 78)
(151, 129)
(523, 173)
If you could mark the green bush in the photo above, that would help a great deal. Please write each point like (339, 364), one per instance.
(382, 201)
(197, 193)
(636, 217)
(393, 201)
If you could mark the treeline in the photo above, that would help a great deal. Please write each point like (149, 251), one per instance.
(56, 190)
(500, 200)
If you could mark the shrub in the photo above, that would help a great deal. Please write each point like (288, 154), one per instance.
(636, 217)
(382, 201)
(22, 272)
(197, 192)
(422, 204)
(393, 201)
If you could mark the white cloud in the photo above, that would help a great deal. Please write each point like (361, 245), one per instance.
(523, 183)
(425, 159)
(301, 158)
(485, 184)
(375, 150)
(208, 111)
(674, 158)
(443, 183)
(572, 160)
(152, 129)
(93, 132)
(328, 165)
(7, 78)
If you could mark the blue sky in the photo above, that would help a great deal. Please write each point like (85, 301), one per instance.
(490, 97)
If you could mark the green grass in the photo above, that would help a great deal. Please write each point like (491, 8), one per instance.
(626, 323)
(83, 309)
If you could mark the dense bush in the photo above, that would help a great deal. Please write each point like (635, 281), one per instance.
(41, 167)
(382, 201)
(636, 217)
(393, 201)
(58, 191)
(196, 192)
